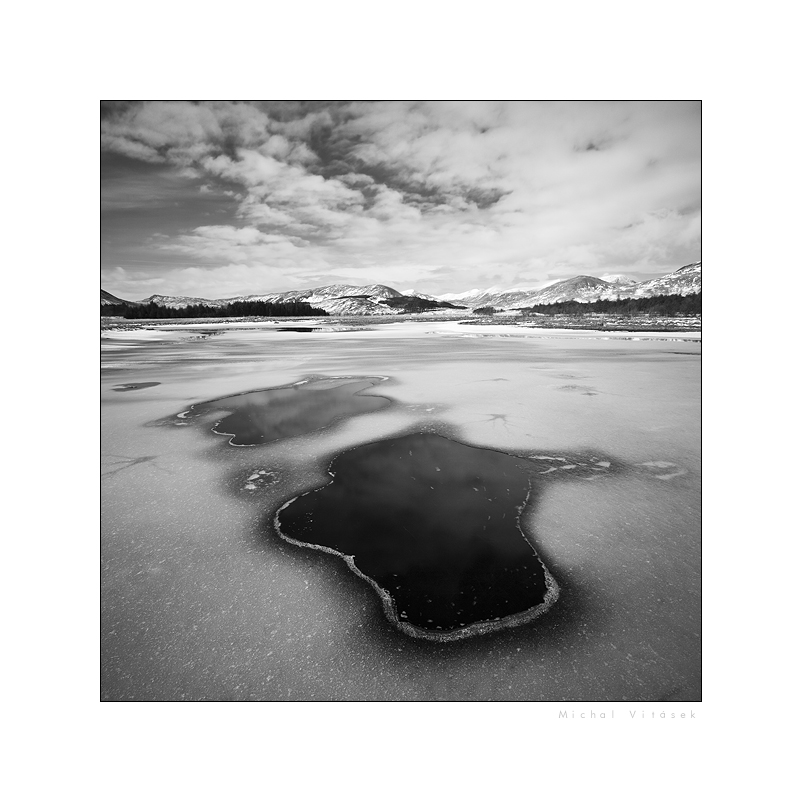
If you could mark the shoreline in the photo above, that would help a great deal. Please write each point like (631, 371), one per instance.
(502, 326)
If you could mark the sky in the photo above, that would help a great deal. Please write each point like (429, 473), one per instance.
(219, 199)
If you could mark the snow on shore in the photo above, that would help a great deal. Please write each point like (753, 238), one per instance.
(396, 329)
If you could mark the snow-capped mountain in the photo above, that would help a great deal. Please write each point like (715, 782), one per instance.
(327, 293)
(685, 281)
(493, 296)
(336, 299)
(177, 301)
(107, 299)
(618, 278)
(352, 305)
(577, 288)
(347, 299)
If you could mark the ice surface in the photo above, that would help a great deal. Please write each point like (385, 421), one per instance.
(198, 603)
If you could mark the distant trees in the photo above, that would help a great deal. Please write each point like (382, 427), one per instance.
(658, 305)
(236, 309)
(413, 304)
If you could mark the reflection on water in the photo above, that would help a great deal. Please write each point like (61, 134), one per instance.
(434, 524)
(268, 415)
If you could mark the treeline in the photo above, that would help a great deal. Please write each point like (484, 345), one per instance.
(659, 305)
(113, 310)
(235, 309)
(412, 304)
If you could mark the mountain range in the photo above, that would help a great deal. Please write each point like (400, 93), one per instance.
(684, 281)
(378, 299)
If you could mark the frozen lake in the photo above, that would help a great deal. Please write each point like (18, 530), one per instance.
(201, 599)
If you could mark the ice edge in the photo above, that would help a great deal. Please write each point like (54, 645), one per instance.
(472, 630)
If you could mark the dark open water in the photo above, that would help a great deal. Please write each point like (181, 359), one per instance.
(268, 415)
(431, 521)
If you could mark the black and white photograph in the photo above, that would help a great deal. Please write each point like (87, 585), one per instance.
(401, 401)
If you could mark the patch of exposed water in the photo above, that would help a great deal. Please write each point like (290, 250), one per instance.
(265, 416)
(435, 526)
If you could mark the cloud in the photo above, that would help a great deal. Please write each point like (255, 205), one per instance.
(450, 192)
(130, 147)
(231, 244)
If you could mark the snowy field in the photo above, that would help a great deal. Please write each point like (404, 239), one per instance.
(202, 601)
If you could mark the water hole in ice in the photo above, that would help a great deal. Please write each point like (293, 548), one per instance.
(265, 416)
(434, 526)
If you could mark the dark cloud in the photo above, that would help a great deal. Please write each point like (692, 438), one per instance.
(484, 198)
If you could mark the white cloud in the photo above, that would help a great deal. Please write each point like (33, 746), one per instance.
(236, 245)
(444, 195)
